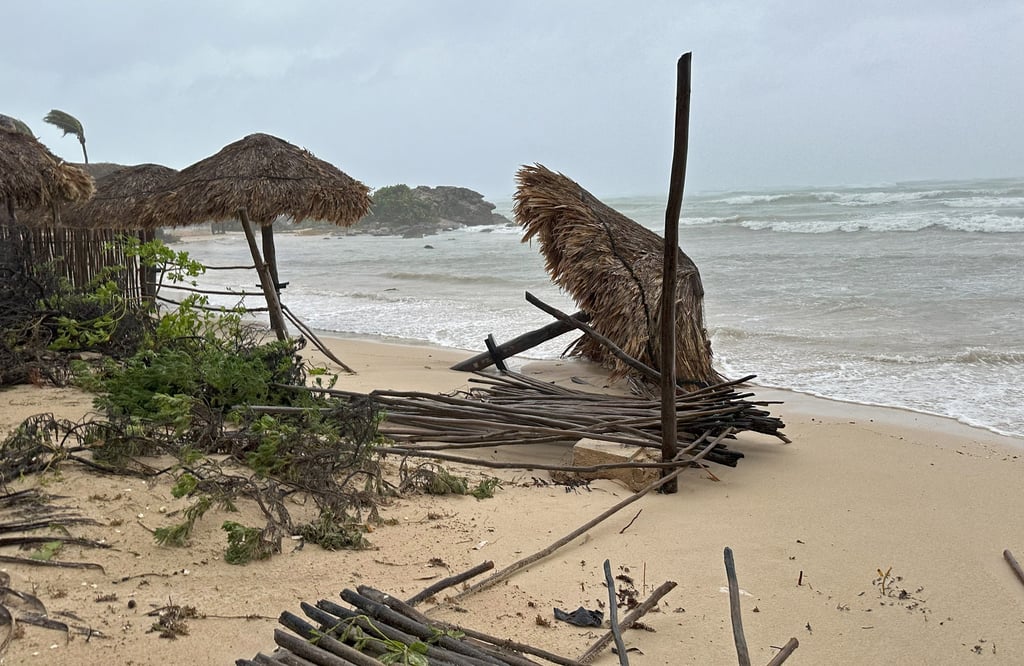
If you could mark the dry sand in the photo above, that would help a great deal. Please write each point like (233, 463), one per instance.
(859, 489)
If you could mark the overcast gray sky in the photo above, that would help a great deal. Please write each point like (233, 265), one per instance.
(785, 93)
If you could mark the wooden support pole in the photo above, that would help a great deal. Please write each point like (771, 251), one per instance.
(520, 344)
(668, 282)
(270, 253)
(266, 279)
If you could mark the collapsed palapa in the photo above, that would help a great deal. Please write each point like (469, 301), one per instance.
(612, 266)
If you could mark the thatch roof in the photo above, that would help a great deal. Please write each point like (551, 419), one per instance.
(120, 198)
(32, 177)
(266, 176)
(612, 267)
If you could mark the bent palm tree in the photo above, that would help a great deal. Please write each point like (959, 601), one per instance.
(70, 125)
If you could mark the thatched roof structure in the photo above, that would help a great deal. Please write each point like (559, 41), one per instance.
(613, 267)
(120, 198)
(266, 176)
(32, 177)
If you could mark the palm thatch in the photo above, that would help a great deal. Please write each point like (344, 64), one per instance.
(268, 178)
(32, 177)
(14, 125)
(612, 267)
(120, 198)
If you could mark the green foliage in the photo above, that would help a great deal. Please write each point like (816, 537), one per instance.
(47, 551)
(393, 651)
(334, 532)
(70, 125)
(245, 544)
(65, 121)
(443, 482)
(485, 489)
(185, 484)
(270, 457)
(398, 205)
(177, 535)
(174, 266)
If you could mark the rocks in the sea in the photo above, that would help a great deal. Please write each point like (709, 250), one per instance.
(399, 210)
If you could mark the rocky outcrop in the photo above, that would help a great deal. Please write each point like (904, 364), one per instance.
(424, 211)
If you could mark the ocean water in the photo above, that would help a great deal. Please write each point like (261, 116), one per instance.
(907, 295)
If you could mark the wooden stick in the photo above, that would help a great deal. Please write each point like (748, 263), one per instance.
(784, 653)
(541, 554)
(450, 581)
(613, 614)
(420, 630)
(642, 368)
(307, 650)
(668, 280)
(266, 279)
(519, 344)
(628, 621)
(329, 643)
(734, 610)
(1008, 556)
(502, 643)
(305, 330)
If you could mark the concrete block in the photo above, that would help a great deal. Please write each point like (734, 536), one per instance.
(587, 452)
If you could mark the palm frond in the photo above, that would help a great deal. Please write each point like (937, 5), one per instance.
(66, 122)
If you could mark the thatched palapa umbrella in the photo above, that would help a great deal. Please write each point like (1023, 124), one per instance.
(31, 177)
(612, 267)
(120, 199)
(260, 178)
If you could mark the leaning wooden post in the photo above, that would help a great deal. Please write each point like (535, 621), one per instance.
(266, 281)
(270, 253)
(668, 281)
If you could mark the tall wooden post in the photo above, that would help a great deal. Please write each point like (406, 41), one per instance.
(668, 281)
(266, 280)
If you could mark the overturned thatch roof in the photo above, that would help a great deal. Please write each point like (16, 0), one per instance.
(612, 267)
(266, 176)
(31, 177)
(120, 198)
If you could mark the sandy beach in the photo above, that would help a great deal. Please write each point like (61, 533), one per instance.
(860, 489)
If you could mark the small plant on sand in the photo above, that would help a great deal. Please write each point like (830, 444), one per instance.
(334, 532)
(177, 535)
(485, 489)
(245, 544)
